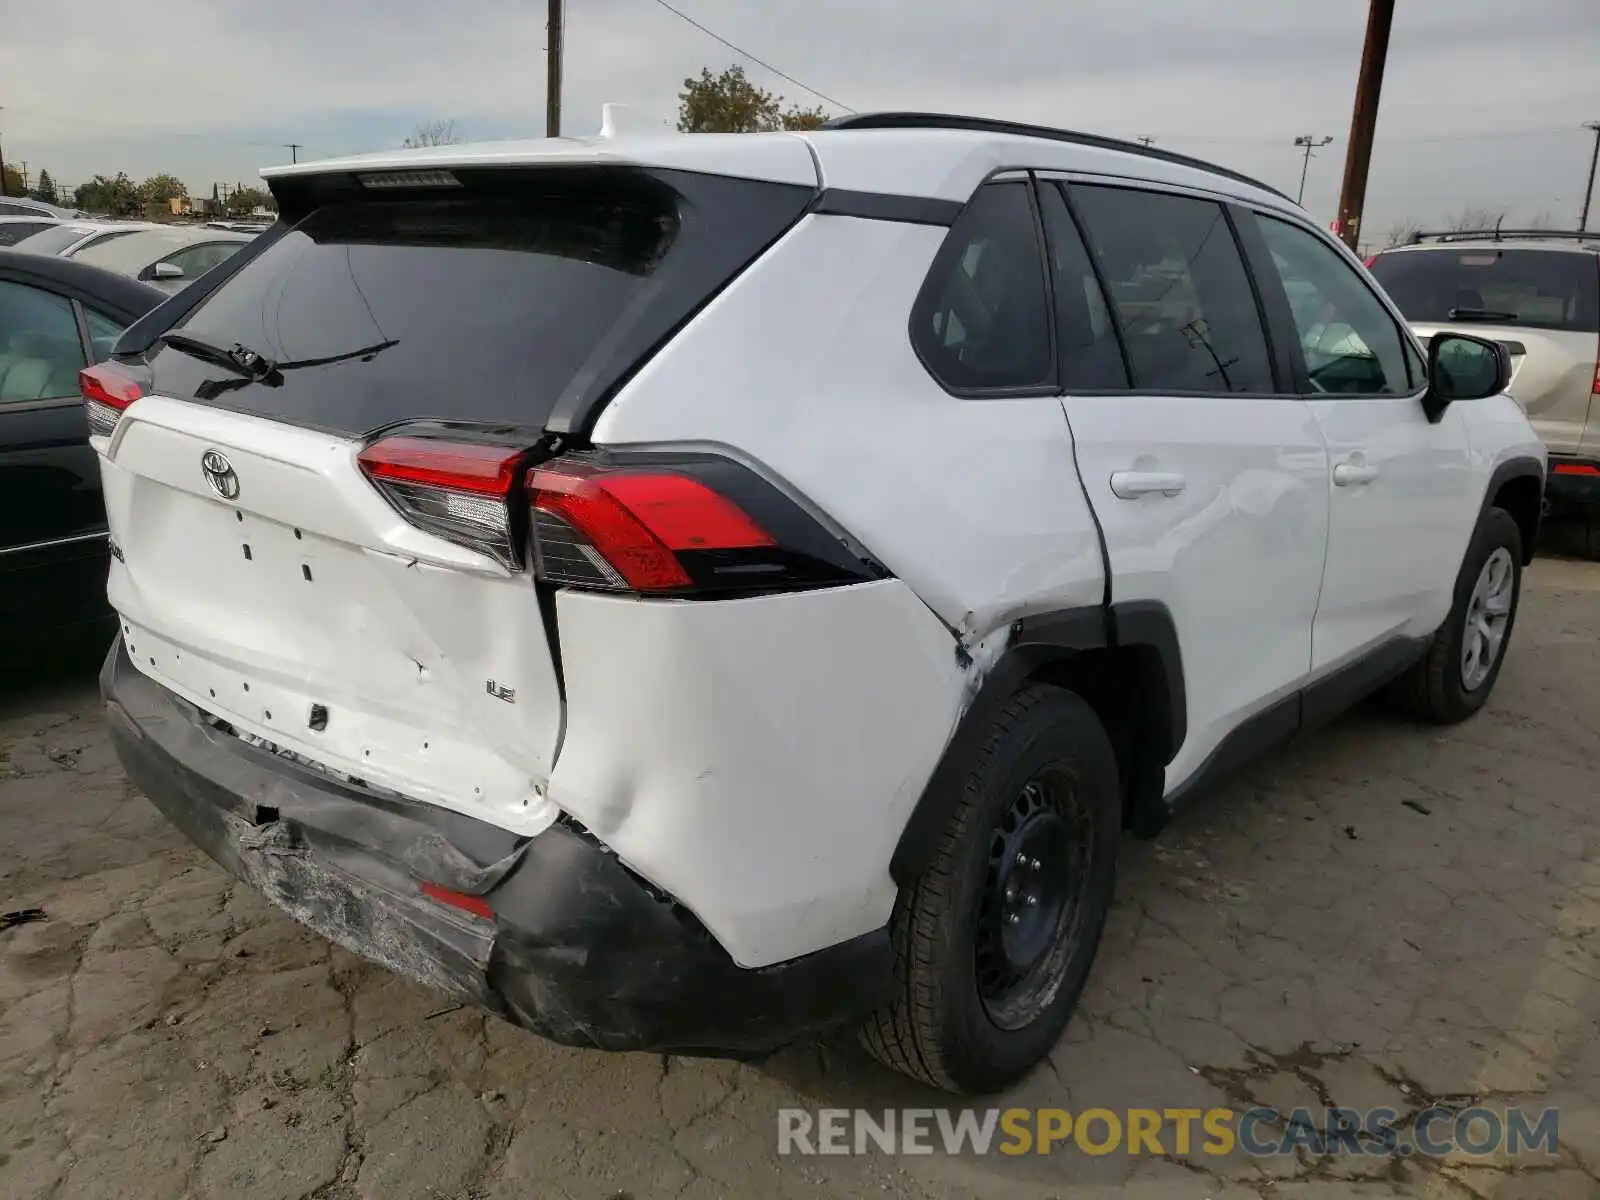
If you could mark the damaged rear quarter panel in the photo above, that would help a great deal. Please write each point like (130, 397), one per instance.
(758, 758)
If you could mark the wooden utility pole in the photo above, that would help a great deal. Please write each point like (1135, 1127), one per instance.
(1588, 189)
(1364, 121)
(552, 103)
(294, 151)
(2, 172)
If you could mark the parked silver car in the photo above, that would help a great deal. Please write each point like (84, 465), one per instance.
(1537, 292)
(69, 237)
(169, 256)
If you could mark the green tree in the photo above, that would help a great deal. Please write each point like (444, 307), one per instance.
(12, 181)
(730, 103)
(118, 197)
(45, 189)
(159, 189)
(244, 200)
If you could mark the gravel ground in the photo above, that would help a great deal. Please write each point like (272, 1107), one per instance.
(1379, 914)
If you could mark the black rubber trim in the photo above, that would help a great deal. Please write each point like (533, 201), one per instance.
(1283, 338)
(921, 120)
(1150, 623)
(579, 948)
(1299, 712)
(882, 206)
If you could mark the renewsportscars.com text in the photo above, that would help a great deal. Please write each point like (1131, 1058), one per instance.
(1261, 1132)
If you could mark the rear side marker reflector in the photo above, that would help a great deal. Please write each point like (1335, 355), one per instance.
(621, 529)
(1575, 469)
(107, 392)
(476, 905)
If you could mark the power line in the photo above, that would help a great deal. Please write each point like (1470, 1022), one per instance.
(759, 62)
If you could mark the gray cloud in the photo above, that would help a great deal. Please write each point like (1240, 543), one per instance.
(1482, 104)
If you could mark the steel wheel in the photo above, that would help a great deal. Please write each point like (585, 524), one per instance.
(1030, 915)
(1488, 612)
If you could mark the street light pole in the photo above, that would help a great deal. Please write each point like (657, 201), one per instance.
(1364, 121)
(1309, 144)
(1588, 190)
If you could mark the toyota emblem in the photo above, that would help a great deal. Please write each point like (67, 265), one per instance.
(219, 473)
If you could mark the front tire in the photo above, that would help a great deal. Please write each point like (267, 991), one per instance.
(1454, 678)
(994, 941)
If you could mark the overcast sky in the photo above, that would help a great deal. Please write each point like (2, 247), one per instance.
(1483, 103)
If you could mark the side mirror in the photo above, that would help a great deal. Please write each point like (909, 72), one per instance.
(1463, 367)
(166, 270)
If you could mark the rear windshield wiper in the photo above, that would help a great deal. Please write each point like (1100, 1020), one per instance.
(237, 357)
(1481, 314)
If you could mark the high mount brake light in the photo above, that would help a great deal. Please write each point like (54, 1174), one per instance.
(621, 529)
(459, 491)
(107, 391)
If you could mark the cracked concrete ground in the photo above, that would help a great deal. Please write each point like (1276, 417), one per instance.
(1380, 914)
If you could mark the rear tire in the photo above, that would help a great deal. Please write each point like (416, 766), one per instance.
(994, 941)
(1589, 534)
(1450, 682)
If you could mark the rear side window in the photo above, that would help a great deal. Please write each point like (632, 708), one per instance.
(982, 320)
(484, 308)
(1538, 289)
(1179, 287)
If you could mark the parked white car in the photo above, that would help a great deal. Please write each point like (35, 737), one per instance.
(69, 237)
(685, 593)
(169, 256)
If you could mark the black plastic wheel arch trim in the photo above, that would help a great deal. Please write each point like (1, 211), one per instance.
(1038, 640)
(1517, 468)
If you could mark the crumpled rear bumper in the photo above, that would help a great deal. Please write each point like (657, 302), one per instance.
(577, 948)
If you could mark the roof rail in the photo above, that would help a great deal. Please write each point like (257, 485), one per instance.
(921, 120)
(1503, 235)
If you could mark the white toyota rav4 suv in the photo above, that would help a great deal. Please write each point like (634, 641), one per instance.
(691, 592)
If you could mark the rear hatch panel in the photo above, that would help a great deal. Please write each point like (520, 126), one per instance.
(294, 602)
(306, 613)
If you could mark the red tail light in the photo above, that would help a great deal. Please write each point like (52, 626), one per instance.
(686, 525)
(1575, 469)
(621, 528)
(107, 391)
(1369, 260)
(460, 491)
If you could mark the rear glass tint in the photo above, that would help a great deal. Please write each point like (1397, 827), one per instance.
(1538, 289)
(486, 308)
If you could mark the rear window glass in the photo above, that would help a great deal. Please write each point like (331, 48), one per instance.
(487, 308)
(53, 240)
(1539, 289)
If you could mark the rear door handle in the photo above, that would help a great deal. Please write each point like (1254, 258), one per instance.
(1130, 485)
(1350, 474)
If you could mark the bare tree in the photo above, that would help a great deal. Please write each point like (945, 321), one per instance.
(1471, 219)
(434, 133)
(1400, 232)
(1542, 220)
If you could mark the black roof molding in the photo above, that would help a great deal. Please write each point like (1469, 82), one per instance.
(920, 120)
